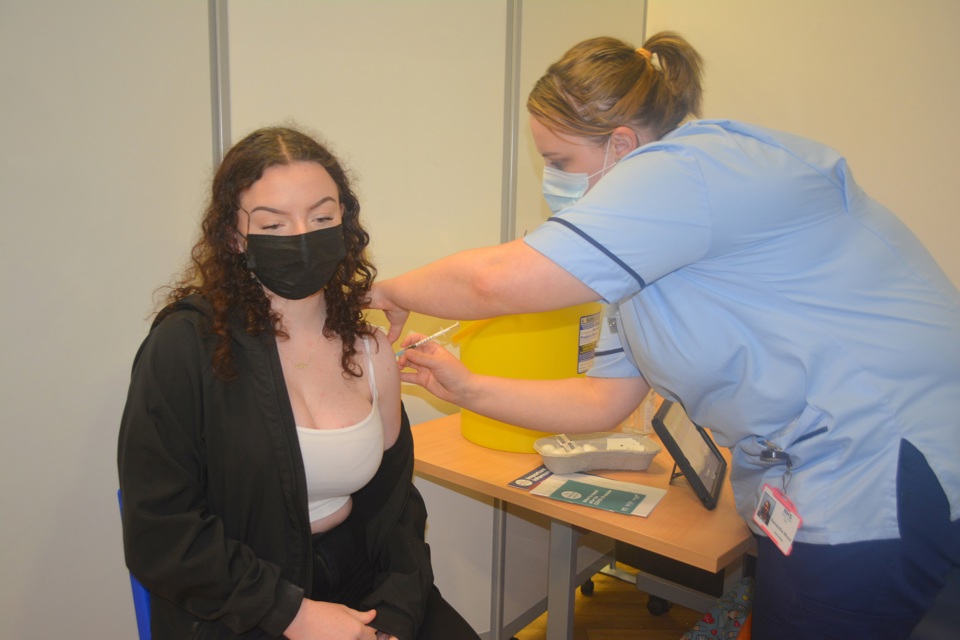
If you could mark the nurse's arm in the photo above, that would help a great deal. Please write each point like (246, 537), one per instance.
(569, 405)
(480, 283)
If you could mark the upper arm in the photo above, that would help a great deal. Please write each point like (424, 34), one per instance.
(159, 435)
(521, 279)
(387, 375)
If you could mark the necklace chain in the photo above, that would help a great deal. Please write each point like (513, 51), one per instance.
(306, 362)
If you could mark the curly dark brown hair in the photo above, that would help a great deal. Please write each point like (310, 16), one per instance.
(218, 269)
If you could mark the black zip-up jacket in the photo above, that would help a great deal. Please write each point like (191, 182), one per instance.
(215, 520)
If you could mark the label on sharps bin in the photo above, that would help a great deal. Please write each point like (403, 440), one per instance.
(589, 335)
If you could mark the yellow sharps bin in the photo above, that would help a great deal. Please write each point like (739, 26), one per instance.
(534, 346)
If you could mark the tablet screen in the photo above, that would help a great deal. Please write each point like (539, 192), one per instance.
(693, 450)
(694, 447)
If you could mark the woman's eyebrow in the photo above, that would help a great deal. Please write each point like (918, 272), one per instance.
(268, 210)
(322, 201)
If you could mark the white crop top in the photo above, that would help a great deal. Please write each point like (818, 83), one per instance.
(339, 462)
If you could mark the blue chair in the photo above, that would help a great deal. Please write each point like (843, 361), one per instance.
(141, 598)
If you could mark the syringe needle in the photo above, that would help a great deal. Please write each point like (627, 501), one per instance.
(428, 338)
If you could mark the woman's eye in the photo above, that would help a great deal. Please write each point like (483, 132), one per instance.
(271, 227)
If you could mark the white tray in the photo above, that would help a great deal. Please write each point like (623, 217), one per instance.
(603, 450)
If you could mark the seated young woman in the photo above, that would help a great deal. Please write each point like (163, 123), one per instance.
(265, 458)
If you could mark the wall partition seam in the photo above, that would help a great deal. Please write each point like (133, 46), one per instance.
(511, 123)
(219, 78)
(643, 27)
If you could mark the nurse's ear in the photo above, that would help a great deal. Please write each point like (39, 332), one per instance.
(623, 141)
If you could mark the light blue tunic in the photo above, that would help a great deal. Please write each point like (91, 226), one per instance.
(756, 283)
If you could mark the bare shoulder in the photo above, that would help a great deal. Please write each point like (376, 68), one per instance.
(388, 385)
(374, 349)
(381, 350)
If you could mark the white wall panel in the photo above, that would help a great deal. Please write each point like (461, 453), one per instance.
(105, 122)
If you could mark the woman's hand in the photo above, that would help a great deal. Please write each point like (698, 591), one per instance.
(436, 370)
(328, 621)
(383, 636)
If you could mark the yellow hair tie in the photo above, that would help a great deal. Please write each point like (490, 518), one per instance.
(646, 54)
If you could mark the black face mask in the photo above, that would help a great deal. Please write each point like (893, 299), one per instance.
(294, 267)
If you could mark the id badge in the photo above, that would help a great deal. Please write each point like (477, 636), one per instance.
(778, 518)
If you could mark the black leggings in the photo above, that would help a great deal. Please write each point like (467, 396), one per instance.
(342, 574)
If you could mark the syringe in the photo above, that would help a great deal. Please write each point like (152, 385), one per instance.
(428, 338)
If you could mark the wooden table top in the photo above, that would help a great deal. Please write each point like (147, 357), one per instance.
(679, 526)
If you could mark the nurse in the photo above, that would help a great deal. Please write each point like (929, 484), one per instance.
(750, 278)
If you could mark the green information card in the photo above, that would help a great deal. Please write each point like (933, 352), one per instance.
(598, 497)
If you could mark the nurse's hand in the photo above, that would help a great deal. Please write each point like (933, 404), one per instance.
(436, 370)
(396, 316)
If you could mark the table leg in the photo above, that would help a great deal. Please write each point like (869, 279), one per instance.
(499, 564)
(561, 576)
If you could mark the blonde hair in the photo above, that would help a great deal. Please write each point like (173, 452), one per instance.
(604, 83)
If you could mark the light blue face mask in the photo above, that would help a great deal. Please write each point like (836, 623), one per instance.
(562, 189)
